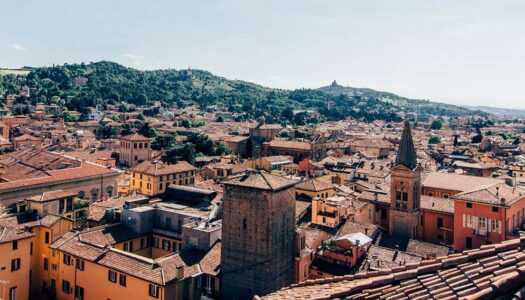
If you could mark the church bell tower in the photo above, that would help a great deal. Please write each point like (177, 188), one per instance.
(405, 189)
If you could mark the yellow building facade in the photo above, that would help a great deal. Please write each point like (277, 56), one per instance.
(152, 178)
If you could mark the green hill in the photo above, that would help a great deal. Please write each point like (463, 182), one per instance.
(111, 83)
(421, 107)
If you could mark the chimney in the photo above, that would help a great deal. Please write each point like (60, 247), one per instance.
(180, 271)
(396, 253)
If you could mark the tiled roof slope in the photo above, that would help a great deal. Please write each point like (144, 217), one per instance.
(486, 273)
(262, 181)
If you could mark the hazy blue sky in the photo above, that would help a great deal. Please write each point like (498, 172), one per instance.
(463, 52)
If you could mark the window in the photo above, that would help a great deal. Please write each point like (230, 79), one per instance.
(439, 222)
(166, 245)
(494, 225)
(142, 243)
(153, 290)
(168, 222)
(80, 264)
(15, 264)
(495, 209)
(46, 237)
(440, 237)
(122, 279)
(469, 221)
(482, 223)
(31, 248)
(128, 246)
(66, 287)
(79, 292)
(66, 259)
(469, 205)
(15, 245)
(46, 264)
(445, 196)
(112, 276)
(54, 267)
(430, 194)
(12, 293)
(245, 223)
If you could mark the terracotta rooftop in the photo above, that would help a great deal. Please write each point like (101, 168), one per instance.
(494, 194)
(298, 145)
(492, 271)
(455, 182)
(161, 271)
(159, 168)
(437, 204)
(135, 137)
(8, 234)
(314, 185)
(52, 195)
(262, 181)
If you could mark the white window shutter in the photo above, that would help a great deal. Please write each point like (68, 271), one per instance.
(464, 220)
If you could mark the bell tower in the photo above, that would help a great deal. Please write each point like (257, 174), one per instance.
(405, 189)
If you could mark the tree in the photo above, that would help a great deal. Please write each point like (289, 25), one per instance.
(106, 131)
(517, 141)
(436, 124)
(222, 149)
(147, 130)
(185, 123)
(478, 137)
(164, 141)
(434, 139)
(180, 152)
(127, 129)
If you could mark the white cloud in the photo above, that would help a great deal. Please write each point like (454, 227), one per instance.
(19, 47)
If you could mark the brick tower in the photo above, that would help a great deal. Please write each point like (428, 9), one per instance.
(405, 189)
(258, 232)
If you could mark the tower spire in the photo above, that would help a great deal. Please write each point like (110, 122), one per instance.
(406, 155)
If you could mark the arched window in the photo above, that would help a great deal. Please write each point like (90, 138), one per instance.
(94, 193)
(82, 194)
(109, 191)
(244, 224)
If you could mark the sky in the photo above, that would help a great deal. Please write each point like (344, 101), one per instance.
(459, 52)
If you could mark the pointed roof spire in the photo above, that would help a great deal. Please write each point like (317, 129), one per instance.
(406, 155)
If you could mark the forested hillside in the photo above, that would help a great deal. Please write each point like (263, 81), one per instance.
(109, 82)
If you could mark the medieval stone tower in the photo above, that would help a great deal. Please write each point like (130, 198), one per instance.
(258, 231)
(405, 189)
